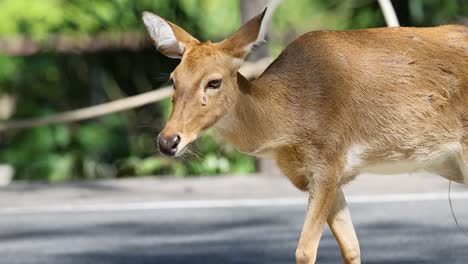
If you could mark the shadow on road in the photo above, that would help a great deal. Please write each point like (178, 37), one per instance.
(228, 236)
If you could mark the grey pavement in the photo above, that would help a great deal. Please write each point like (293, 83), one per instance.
(394, 221)
(147, 189)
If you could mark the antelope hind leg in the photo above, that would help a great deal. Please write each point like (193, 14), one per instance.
(342, 228)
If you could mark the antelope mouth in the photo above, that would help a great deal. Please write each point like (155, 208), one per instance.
(172, 145)
(181, 151)
(184, 145)
(175, 144)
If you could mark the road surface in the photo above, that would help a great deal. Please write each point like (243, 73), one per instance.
(401, 219)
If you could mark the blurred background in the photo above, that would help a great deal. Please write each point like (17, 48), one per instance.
(59, 55)
(68, 202)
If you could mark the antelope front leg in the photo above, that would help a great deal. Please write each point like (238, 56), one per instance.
(321, 201)
(342, 228)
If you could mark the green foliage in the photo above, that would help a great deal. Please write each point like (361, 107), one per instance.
(62, 152)
(436, 12)
(122, 145)
(205, 158)
(39, 18)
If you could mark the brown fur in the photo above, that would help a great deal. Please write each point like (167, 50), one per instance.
(391, 95)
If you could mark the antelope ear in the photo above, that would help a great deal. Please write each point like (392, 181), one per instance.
(170, 39)
(251, 34)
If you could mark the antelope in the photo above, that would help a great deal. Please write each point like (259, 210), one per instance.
(332, 105)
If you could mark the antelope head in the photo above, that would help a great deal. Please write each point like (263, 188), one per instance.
(205, 81)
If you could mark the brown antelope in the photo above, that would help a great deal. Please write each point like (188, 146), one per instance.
(332, 105)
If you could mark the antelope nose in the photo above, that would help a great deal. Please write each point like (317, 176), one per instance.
(168, 145)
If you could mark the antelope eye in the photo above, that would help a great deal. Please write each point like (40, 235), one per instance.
(214, 84)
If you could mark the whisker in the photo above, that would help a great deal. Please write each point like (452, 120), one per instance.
(162, 77)
(183, 158)
(194, 154)
(194, 150)
(153, 126)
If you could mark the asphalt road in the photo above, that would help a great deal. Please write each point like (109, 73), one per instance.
(395, 232)
(403, 229)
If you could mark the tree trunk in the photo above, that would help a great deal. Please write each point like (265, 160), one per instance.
(249, 9)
